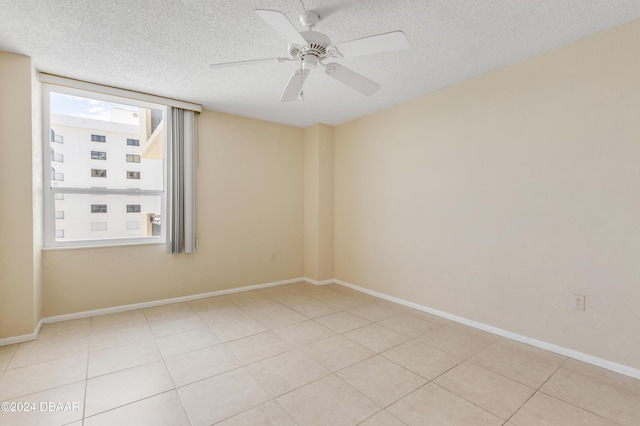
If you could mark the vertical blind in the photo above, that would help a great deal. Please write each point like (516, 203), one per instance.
(181, 190)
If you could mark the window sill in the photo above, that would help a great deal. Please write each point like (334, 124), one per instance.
(102, 246)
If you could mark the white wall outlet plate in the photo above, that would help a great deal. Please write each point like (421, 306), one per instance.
(578, 302)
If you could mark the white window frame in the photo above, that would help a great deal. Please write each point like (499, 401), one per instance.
(50, 192)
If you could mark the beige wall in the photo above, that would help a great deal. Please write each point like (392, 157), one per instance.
(19, 250)
(318, 202)
(498, 198)
(249, 206)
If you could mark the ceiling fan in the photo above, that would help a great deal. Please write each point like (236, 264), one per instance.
(311, 48)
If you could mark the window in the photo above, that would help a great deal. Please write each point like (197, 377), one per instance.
(59, 214)
(58, 158)
(98, 226)
(56, 176)
(95, 202)
(98, 155)
(56, 138)
(133, 225)
(98, 208)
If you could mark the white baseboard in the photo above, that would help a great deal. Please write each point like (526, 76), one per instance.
(153, 303)
(590, 359)
(22, 338)
(316, 282)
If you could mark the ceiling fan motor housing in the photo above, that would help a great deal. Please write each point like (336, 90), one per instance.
(314, 51)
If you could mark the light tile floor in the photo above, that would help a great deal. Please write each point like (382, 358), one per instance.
(299, 354)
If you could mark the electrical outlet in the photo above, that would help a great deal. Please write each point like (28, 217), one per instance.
(578, 302)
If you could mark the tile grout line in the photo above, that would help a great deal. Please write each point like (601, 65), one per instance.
(465, 399)
(568, 402)
(86, 376)
(537, 390)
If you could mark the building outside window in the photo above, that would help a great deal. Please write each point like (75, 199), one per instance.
(55, 138)
(133, 142)
(98, 226)
(98, 208)
(98, 155)
(133, 158)
(98, 138)
(133, 175)
(55, 157)
(101, 173)
(133, 208)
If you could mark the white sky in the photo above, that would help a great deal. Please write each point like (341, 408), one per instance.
(83, 107)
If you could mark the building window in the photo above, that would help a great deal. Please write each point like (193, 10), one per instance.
(87, 195)
(101, 173)
(133, 208)
(56, 138)
(98, 208)
(59, 214)
(56, 176)
(98, 155)
(133, 225)
(98, 226)
(58, 158)
(59, 233)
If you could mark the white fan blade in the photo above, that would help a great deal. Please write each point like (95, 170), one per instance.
(294, 86)
(351, 78)
(250, 61)
(282, 26)
(387, 42)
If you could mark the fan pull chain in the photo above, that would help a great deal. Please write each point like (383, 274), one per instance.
(301, 94)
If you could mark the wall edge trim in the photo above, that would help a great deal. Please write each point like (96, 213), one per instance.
(571, 353)
(6, 341)
(153, 303)
(321, 282)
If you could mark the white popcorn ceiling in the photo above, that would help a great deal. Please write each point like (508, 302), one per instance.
(165, 47)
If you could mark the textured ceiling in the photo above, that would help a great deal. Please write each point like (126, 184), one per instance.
(164, 47)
